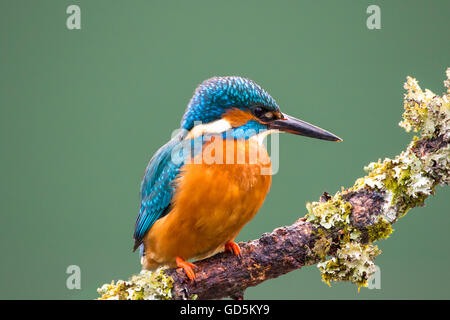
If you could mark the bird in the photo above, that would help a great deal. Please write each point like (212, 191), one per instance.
(201, 187)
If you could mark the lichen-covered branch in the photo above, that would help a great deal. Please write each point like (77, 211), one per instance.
(338, 232)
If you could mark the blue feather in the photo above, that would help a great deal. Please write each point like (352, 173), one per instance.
(157, 188)
(217, 95)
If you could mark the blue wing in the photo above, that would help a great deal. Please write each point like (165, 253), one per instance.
(157, 186)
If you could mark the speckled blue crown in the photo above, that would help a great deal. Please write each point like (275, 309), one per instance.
(216, 95)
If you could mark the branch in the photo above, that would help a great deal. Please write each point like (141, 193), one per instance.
(337, 233)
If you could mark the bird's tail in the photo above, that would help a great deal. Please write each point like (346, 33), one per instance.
(137, 243)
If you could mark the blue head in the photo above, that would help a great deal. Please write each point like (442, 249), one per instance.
(223, 103)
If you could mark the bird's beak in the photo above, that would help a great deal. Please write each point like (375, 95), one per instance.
(302, 128)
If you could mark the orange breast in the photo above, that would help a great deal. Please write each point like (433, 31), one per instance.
(212, 203)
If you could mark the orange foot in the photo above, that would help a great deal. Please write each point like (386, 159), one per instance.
(233, 248)
(187, 267)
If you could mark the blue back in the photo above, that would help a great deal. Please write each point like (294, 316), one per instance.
(157, 188)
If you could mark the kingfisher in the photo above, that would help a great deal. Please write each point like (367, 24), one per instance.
(211, 178)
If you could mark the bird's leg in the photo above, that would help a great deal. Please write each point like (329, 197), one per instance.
(233, 248)
(187, 267)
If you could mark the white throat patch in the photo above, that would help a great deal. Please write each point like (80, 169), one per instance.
(218, 126)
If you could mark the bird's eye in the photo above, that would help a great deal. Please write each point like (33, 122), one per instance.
(259, 111)
(263, 114)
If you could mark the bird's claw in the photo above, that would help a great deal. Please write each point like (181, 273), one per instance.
(233, 247)
(187, 267)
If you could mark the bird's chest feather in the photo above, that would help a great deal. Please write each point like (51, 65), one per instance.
(221, 194)
(213, 201)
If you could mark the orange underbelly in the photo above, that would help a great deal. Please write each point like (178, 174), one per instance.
(211, 205)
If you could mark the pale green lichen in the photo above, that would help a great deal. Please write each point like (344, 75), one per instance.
(424, 111)
(334, 212)
(322, 245)
(405, 181)
(380, 230)
(353, 262)
(147, 285)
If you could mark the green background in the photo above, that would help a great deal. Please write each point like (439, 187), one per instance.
(82, 111)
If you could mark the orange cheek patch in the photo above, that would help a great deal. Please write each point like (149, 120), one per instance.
(237, 117)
